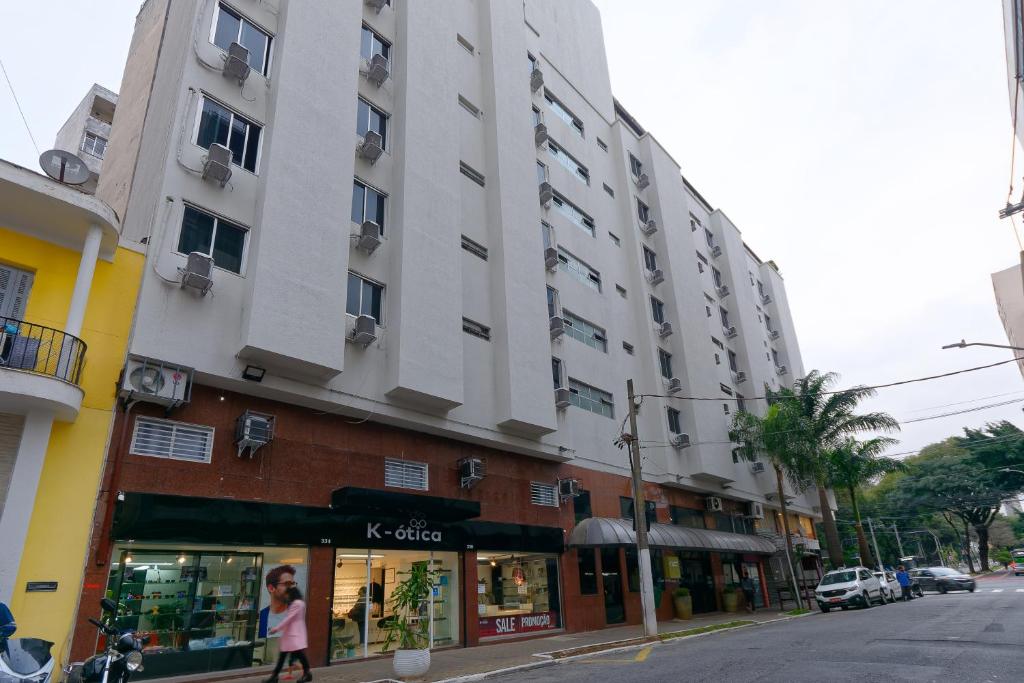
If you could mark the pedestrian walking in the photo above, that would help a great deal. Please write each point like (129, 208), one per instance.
(904, 580)
(747, 586)
(7, 626)
(294, 639)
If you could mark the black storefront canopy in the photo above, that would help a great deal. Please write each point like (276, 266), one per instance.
(608, 531)
(357, 500)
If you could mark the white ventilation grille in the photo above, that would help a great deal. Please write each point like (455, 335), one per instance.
(173, 440)
(543, 494)
(403, 474)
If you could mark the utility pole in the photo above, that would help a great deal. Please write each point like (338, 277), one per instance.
(874, 541)
(898, 541)
(643, 553)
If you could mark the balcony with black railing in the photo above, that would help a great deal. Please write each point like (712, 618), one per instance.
(40, 370)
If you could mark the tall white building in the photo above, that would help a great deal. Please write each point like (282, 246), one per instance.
(87, 131)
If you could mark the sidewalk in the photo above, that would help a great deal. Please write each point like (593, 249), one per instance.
(455, 662)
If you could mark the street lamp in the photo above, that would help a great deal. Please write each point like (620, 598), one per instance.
(963, 344)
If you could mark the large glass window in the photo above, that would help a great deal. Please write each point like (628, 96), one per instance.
(517, 593)
(578, 269)
(231, 27)
(368, 204)
(372, 44)
(582, 331)
(657, 310)
(562, 112)
(212, 236)
(569, 162)
(587, 567)
(581, 507)
(95, 145)
(218, 124)
(365, 297)
(687, 517)
(575, 214)
(369, 117)
(589, 398)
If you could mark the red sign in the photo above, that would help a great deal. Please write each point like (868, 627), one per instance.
(518, 623)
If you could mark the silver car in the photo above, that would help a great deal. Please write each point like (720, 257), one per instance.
(891, 589)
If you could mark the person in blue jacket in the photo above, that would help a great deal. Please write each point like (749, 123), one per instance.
(7, 626)
(904, 579)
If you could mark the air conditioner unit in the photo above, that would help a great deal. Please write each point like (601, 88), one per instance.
(755, 510)
(376, 5)
(378, 69)
(655, 277)
(675, 385)
(766, 299)
(569, 488)
(757, 467)
(253, 431)
(562, 398)
(773, 335)
(540, 134)
(649, 228)
(371, 147)
(722, 291)
(536, 79)
(546, 194)
(642, 181)
(217, 165)
(154, 381)
(664, 329)
(551, 258)
(196, 273)
(781, 370)
(739, 377)
(236, 65)
(681, 441)
(729, 332)
(716, 251)
(365, 330)
(471, 472)
(713, 504)
(368, 237)
(557, 326)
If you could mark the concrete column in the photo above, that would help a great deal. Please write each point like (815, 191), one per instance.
(83, 283)
(21, 496)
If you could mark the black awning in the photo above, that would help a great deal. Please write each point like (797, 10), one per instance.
(609, 531)
(355, 500)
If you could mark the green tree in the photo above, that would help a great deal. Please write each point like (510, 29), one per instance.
(1002, 556)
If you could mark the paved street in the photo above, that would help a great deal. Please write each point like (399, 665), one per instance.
(953, 637)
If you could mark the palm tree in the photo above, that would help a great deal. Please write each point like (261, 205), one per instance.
(830, 419)
(854, 463)
(778, 436)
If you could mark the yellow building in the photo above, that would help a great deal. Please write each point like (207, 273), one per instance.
(67, 296)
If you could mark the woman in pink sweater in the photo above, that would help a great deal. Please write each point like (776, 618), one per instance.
(293, 636)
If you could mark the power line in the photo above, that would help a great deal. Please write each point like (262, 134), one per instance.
(965, 410)
(960, 403)
(25, 120)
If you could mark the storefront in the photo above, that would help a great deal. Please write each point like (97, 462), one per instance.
(517, 594)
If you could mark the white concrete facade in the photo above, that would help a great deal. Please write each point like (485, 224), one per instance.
(87, 130)
(1009, 290)
(460, 161)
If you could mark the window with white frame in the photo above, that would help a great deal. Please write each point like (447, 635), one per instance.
(582, 331)
(95, 145)
(473, 174)
(537, 118)
(615, 239)
(602, 144)
(665, 362)
(609, 191)
(643, 212)
(173, 440)
(207, 234)
(657, 310)
(590, 398)
(575, 214)
(373, 44)
(716, 276)
(533, 62)
(542, 173)
(553, 307)
(733, 361)
(369, 117)
(674, 421)
(650, 259)
(718, 343)
(775, 357)
(635, 167)
(724, 315)
(547, 234)
(231, 27)
(364, 297)
(474, 247)
(218, 124)
(557, 372)
(709, 237)
(694, 223)
(368, 204)
(562, 112)
(404, 474)
(578, 170)
(543, 494)
(627, 347)
(578, 269)
(476, 329)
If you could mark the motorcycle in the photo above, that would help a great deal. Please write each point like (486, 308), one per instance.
(24, 660)
(121, 658)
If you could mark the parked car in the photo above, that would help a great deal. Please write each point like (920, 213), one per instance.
(850, 587)
(891, 589)
(942, 579)
(1017, 563)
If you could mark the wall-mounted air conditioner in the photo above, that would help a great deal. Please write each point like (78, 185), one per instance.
(664, 329)
(766, 299)
(540, 133)
(755, 510)
(154, 381)
(681, 441)
(773, 334)
(551, 258)
(739, 377)
(378, 69)
(729, 332)
(649, 228)
(562, 398)
(675, 385)
(217, 164)
(371, 147)
(557, 326)
(713, 504)
(569, 488)
(642, 181)
(781, 370)
(655, 277)
(722, 291)
(253, 431)
(368, 237)
(471, 472)
(365, 330)
(236, 65)
(197, 273)
(757, 467)
(716, 251)
(546, 194)
(376, 5)
(536, 79)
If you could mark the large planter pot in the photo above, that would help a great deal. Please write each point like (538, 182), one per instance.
(684, 606)
(730, 601)
(411, 663)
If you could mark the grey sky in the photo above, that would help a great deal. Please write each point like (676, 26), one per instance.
(863, 146)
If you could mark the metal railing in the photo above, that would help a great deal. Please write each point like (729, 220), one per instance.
(41, 350)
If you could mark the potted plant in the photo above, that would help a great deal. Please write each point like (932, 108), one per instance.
(409, 628)
(730, 598)
(683, 603)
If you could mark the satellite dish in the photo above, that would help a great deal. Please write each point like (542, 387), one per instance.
(64, 167)
(147, 380)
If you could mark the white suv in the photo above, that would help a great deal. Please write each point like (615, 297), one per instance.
(891, 589)
(854, 586)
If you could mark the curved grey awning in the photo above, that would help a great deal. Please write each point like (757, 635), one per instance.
(600, 531)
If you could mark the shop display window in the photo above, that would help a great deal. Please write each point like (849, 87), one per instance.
(587, 565)
(517, 593)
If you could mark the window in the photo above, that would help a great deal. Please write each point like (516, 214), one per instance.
(643, 212)
(372, 44)
(173, 440)
(542, 173)
(608, 190)
(581, 507)
(562, 112)
(474, 248)
(627, 347)
(556, 371)
(709, 238)
(589, 398)
(586, 564)
(621, 290)
(403, 474)
(665, 362)
(469, 106)
(537, 118)
(231, 27)
(213, 236)
(615, 239)
(725, 408)
(476, 329)
(724, 314)
(657, 310)
(369, 117)
(718, 343)
(533, 62)
(700, 267)
(674, 422)
(775, 357)
(364, 297)
(15, 285)
(702, 258)
(578, 269)
(552, 294)
(547, 235)
(650, 259)
(694, 223)
(94, 145)
(768, 323)
(368, 204)
(716, 276)
(465, 43)
(218, 124)
(718, 359)
(687, 517)
(626, 510)
(582, 331)
(602, 145)
(725, 390)
(565, 159)
(574, 214)
(471, 173)
(635, 167)
(543, 494)
(707, 309)
(760, 288)
(741, 405)
(732, 361)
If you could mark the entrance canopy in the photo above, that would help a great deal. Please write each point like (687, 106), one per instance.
(602, 531)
